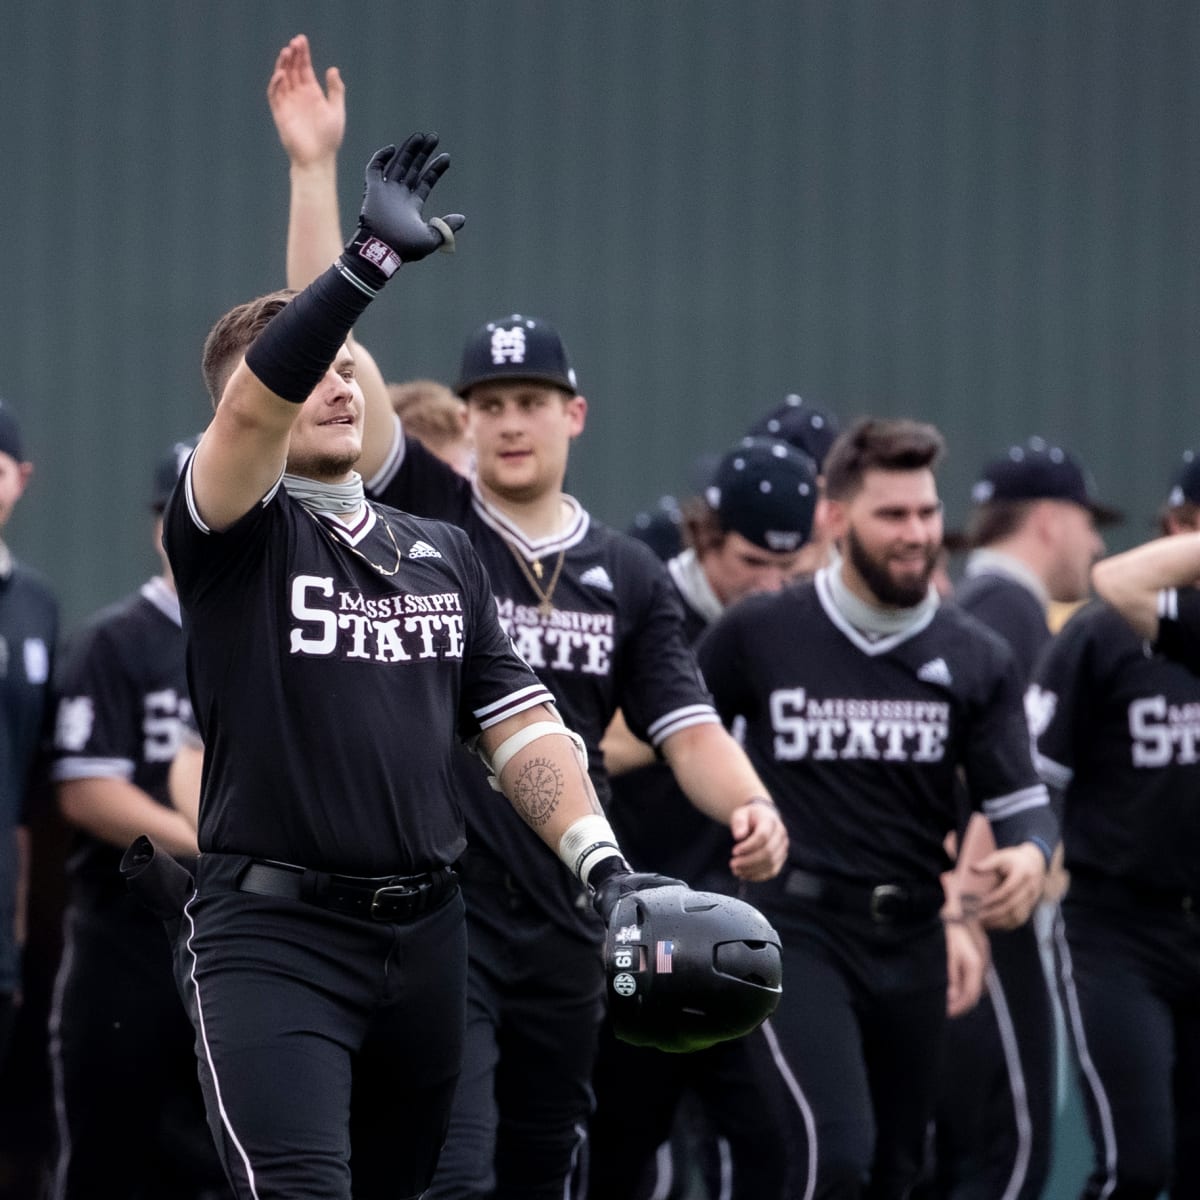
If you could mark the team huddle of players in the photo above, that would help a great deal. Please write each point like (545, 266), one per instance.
(448, 721)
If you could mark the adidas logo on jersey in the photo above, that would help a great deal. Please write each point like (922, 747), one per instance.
(936, 671)
(423, 550)
(597, 577)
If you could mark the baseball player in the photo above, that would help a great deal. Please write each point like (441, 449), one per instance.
(337, 651)
(744, 535)
(130, 1120)
(862, 698)
(812, 430)
(1033, 529)
(28, 634)
(593, 612)
(1117, 730)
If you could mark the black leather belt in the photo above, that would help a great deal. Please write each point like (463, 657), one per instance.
(1107, 891)
(394, 898)
(883, 903)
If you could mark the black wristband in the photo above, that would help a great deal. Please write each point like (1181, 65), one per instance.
(294, 351)
(606, 868)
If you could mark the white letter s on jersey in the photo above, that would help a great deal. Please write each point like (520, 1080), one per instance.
(326, 641)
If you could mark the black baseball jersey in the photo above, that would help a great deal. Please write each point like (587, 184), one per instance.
(1118, 732)
(1179, 626)
(28, 632)
(614, 639)
(658, 827)
(1004, 604)
(859, 740)
(121, 692)
(332, 668)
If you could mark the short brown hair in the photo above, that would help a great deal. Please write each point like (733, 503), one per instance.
(701, 526)
(877, 443)
(995, 520)
(232, 336)
(429, 410)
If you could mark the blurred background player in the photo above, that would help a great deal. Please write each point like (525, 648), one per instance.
(1117, 734)
(594, 614)
(1032, 529)
(130, 1116)
(811, 430)
(660, 527)
(863, 698)
(28, 634)
(437, 418)
(744, 535)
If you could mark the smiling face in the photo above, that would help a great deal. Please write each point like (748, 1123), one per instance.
(890, 531)
(522, 432)
(326, 439)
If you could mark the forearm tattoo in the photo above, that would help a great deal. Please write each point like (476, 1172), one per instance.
(537, 791)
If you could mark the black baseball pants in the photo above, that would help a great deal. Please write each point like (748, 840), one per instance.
(857, 1043)
(129, 1114)
(329, 1045)
(1130, 984)
(639, 1091)
(535, 999)
(995, 1117)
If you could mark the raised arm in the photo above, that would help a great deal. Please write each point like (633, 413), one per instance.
(300, 361)
(1131, 582)
(311, 122)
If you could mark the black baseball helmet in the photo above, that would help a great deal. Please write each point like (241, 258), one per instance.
(688, 969)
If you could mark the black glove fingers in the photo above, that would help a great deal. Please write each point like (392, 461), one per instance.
(416, 168)
(430, 175)
(401, 165)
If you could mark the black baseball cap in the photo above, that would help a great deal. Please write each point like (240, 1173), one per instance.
(765, 490)
(1038, 470)
(810, 429)
(10, 434)
(660, 527)
(168, 470)
(515, 347)
(1185, 487)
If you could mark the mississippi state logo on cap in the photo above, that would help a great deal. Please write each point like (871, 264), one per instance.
(515, 347)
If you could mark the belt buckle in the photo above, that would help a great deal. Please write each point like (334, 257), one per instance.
(394, 892)
(883, 897)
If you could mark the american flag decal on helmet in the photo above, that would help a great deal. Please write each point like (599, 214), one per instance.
(664, 960)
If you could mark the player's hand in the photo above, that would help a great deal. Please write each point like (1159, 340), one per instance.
(965, 967)
(1020, 874)
(760, 841)
(310, 120)
(391, 226)
(620, 884)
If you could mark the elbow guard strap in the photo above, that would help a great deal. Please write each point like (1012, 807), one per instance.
(531, 733)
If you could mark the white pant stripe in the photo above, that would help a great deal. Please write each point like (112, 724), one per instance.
(806, 1112)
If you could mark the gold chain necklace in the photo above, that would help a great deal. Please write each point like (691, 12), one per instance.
(545, 607)
(337, 541)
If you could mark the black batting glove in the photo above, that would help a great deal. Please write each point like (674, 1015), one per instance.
(392, 228)
(621, 882)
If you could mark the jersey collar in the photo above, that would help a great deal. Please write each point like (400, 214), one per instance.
(923, 614)
(572, 532)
